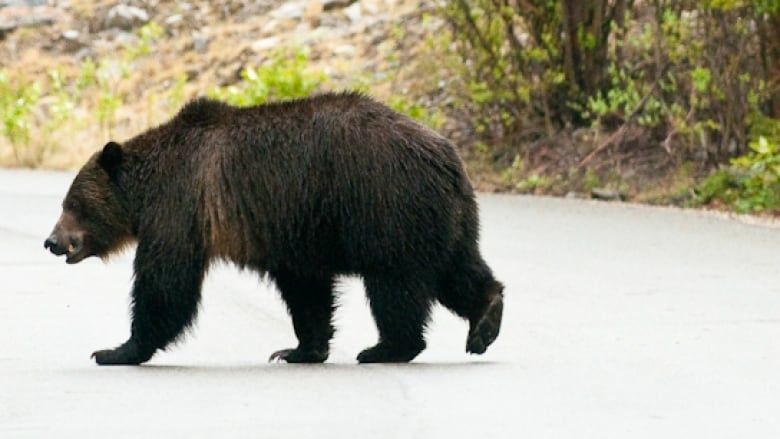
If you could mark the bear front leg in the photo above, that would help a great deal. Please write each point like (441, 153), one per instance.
(310, 304)
(129, 353)
(166, 293)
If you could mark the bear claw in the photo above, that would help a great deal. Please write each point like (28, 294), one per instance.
(298, 356)
(485, 330)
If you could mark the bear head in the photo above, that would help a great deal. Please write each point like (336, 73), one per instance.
(94, 221)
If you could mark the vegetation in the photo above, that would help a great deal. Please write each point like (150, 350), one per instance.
(750, 184)
(659, 81)
(283, 77)
(16, 103)
(543, 96)
(37, 115)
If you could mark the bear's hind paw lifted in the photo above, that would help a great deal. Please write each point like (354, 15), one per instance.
(485, 330)
(298, 356)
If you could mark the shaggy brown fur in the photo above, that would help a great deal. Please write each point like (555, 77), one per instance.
(302, 191)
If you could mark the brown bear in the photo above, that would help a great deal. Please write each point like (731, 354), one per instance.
(301, 191)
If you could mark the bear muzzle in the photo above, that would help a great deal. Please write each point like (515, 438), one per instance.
(71, 246)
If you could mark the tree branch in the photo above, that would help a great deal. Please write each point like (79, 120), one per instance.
(619, 133)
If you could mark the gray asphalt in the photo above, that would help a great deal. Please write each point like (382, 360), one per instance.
(621, 321)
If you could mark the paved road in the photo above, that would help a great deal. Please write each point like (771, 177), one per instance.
(620, 322)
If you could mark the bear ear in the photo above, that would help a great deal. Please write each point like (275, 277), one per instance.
(110, 157)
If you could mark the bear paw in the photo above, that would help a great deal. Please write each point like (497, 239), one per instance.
(388, 353)
(127, 354)
(298, 356)
(485, 330)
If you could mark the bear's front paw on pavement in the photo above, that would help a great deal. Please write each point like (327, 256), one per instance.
(127, 354)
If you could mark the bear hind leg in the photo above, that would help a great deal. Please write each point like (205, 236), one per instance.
(471, 291)
(310, 304)
(401, 310)
(483, 330)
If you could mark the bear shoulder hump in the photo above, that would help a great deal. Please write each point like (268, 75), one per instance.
(203, 111)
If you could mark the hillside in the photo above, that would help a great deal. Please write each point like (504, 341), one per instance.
(78, 73)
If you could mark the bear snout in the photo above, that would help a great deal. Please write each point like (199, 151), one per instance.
(52, 243)
(70, 245)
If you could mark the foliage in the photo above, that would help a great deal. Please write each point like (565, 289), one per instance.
(147, 35)
(284, 76)
(17, 102)
(431, 118)
(287, 76)
(108, 76)
(751, 184)
(691, 75)
(527, 63)
(175, 95)
(34, 113)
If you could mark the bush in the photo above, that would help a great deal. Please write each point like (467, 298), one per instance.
(17, 102)
(36, 114)
(690, 75)
(751, 184)
(432, 118)
(282, 77)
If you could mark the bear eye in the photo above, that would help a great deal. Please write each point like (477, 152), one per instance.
(72, 205)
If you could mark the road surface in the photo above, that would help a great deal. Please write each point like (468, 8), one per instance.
(620, 321)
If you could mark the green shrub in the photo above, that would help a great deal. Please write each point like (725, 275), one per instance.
(148, 34)
(284, 76)
(434, 119)
(108, 75)
(686, 74)
(17, 102)
(751, 184)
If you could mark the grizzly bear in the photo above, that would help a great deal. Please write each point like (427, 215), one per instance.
(300, 191)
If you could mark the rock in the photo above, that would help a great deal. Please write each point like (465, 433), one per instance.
(265, 44)
(13, 17)
(330, 5)
(126, 17)
(71, 34)
(371, 7)
(123, 38)
(173, 19)
(200, 43)
(269, 27)
(72, 40)
(289, 11)
(313, 13)
(345, 50)
(84, 53)
(607, 194)
(354, 12)
(7, 3)
(332, 21)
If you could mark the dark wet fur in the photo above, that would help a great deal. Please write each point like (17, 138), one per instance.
(302, 191)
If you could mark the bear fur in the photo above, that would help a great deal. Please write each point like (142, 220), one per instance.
(301, 191)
